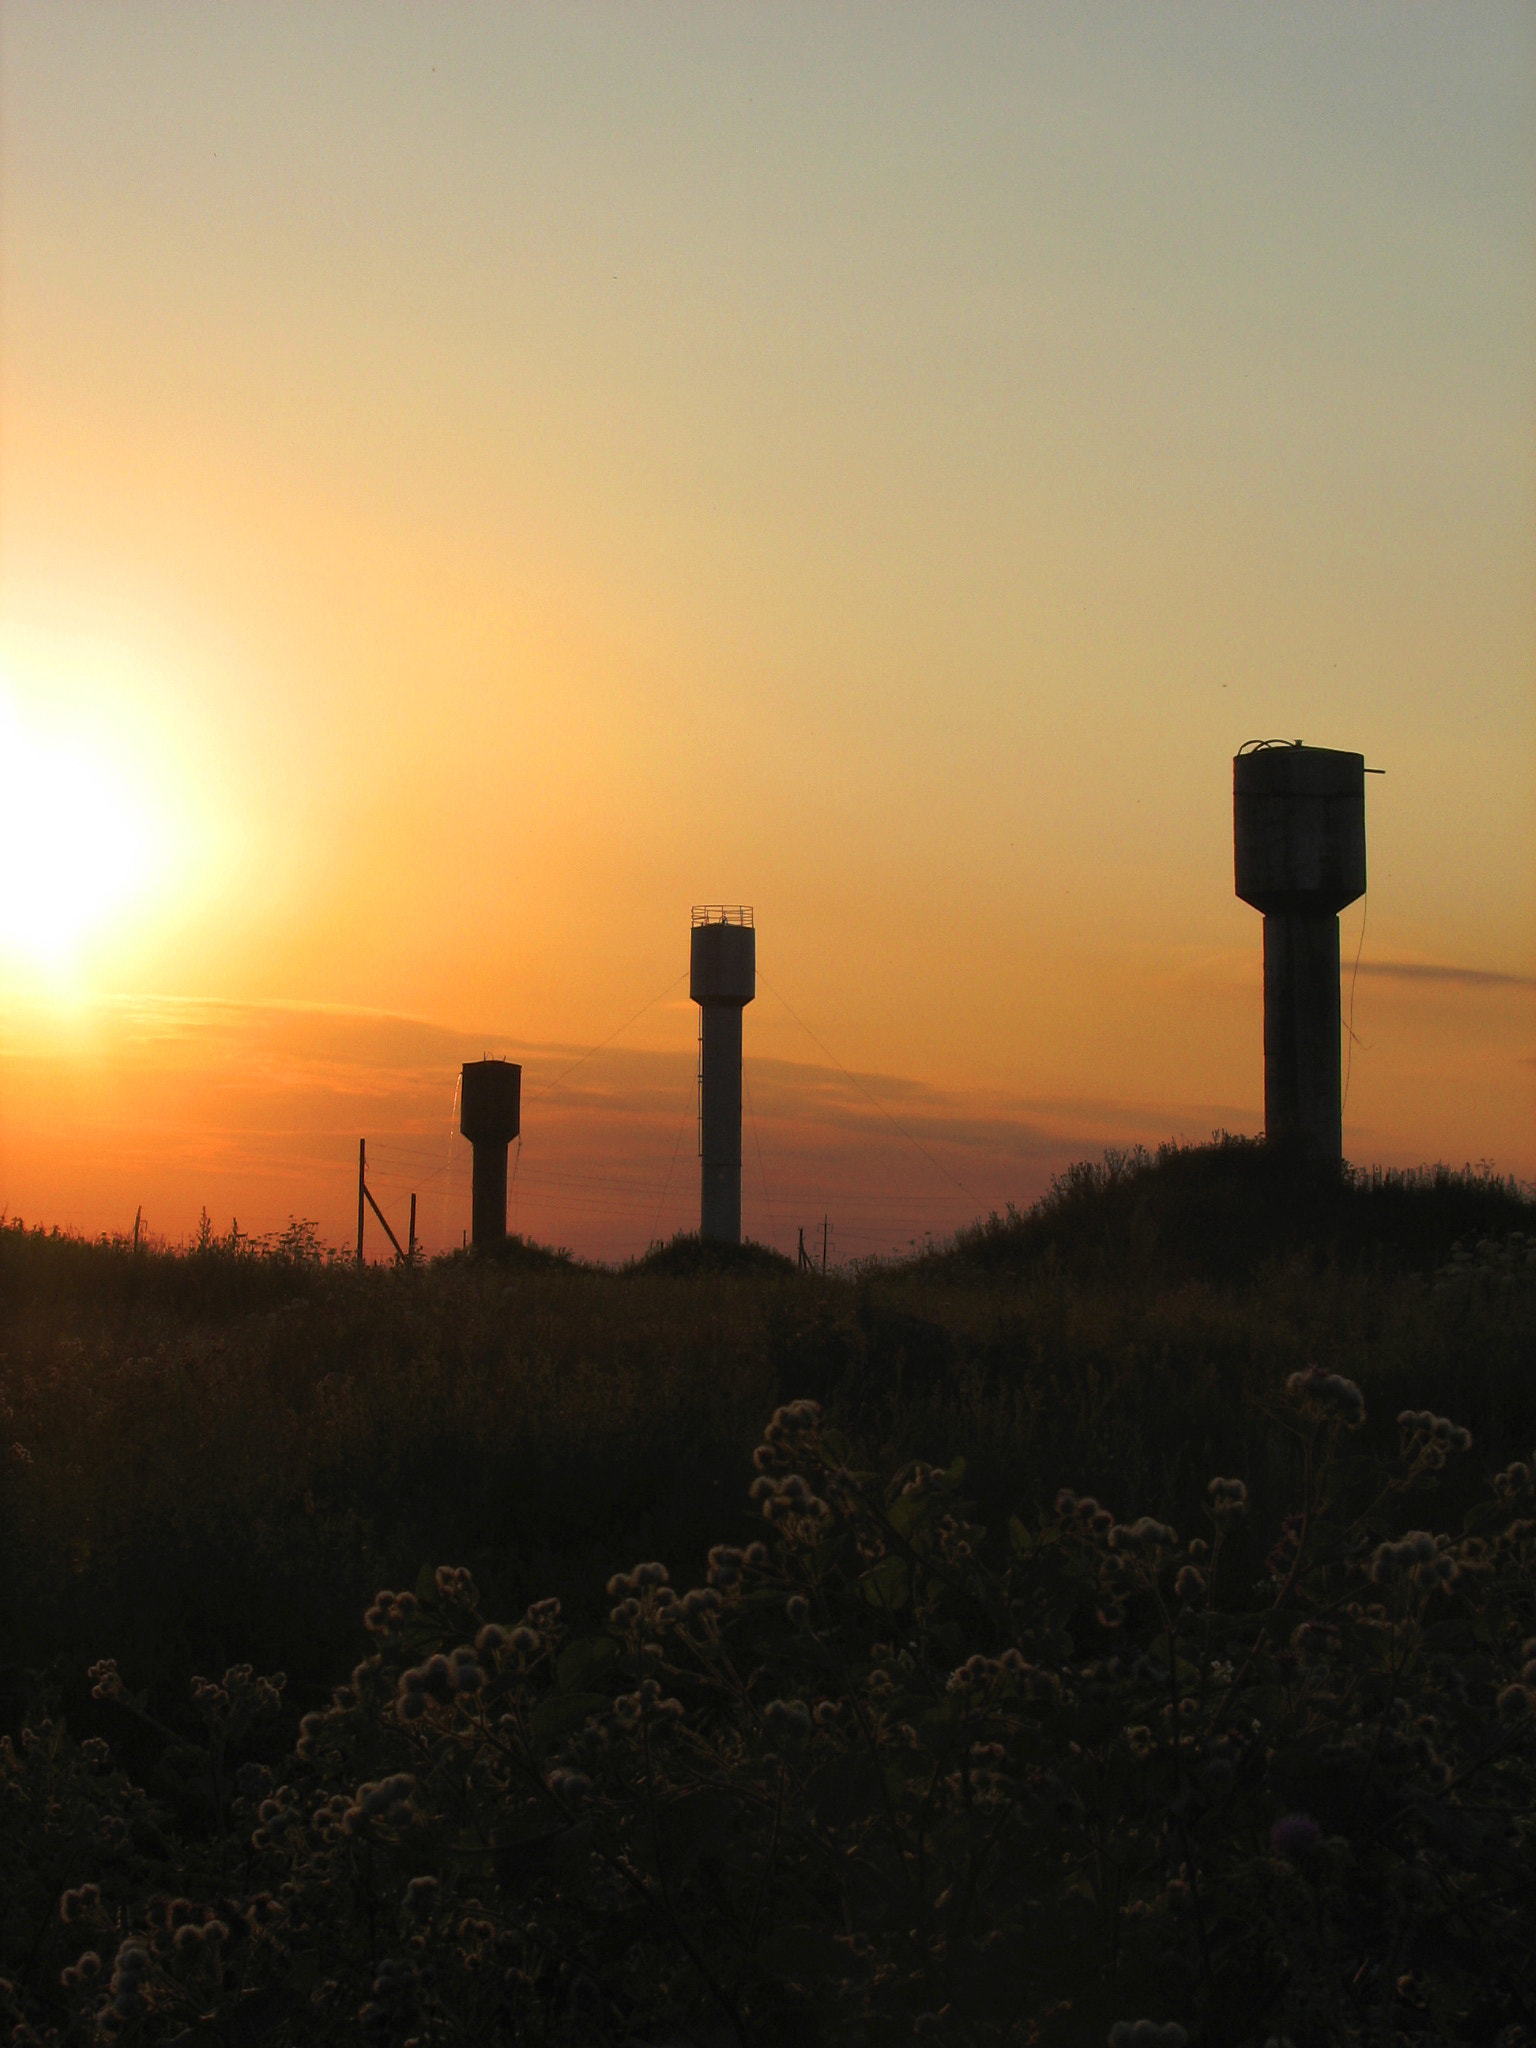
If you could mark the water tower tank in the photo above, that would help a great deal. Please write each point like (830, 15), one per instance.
(1298, 828)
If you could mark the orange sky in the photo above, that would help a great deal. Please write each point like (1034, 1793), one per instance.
(474, 482)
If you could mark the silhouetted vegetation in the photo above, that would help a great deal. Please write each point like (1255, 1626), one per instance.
(214, 1457)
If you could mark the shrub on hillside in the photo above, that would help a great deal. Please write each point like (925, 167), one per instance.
(883, 1775)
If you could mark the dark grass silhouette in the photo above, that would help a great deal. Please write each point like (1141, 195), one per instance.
(223, 1451)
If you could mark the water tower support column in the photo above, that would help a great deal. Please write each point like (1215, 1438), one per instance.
(720, 1193)
(1302, 1038)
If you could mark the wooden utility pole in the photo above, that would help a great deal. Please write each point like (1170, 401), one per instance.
(823, 1247)
(410, 1242)
(365, 1196)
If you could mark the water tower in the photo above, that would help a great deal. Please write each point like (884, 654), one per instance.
(722, 981)
(1298, 826)
(490, 1098)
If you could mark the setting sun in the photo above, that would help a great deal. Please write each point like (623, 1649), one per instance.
(75, 845)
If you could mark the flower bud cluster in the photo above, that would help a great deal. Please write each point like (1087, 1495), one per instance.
(440, 1679)
(1228, 1499)
(264, 1913)
(697, 1602)
(642, 1593)
(727, 1562)
(85, 1898)
(106, 1684)
(455, 1582)
(789, 1720)
(789, 1501)
(1147, 2034)
(1145, 1535)
(274, 1816)
(1328, 1395)
(1515, 1479)
(1084, 1514)
(126, 1984)
(310, 1726)
(1418, 1555)
(795, 1421)
(84, 1970)
(380, 1800)
(390, 1613)
(522, 1641)
(1428, 1439)
(1008, 1671)
(193, 1935)
(647, 1702)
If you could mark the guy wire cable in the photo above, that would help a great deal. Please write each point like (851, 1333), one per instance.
(1349, 1057)
(535, 1094)
(953, 1179)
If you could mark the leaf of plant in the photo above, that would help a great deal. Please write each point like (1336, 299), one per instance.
(582, 1663)
(909, 1513)
(887, 1585)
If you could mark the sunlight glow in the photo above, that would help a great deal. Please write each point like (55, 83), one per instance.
(75, 847)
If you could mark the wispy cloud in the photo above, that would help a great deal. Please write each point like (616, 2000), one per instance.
(1463, 977)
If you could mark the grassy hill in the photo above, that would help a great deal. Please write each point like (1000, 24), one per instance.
(222, 1451)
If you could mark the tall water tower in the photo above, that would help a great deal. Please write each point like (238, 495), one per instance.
(490, 1101)
(722, 981)
(1298, 826)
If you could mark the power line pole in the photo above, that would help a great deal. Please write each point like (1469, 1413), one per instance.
(823, 1247)
(365, 1195)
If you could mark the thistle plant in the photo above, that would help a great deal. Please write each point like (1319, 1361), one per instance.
(882, 1774)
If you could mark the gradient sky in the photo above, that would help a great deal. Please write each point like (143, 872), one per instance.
(476, 481)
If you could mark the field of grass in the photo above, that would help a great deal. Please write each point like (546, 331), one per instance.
(214, 1458)
(224, 1452)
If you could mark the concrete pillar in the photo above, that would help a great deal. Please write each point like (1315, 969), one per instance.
(720, 1196)
(488, 1202)
(1302, 1107)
